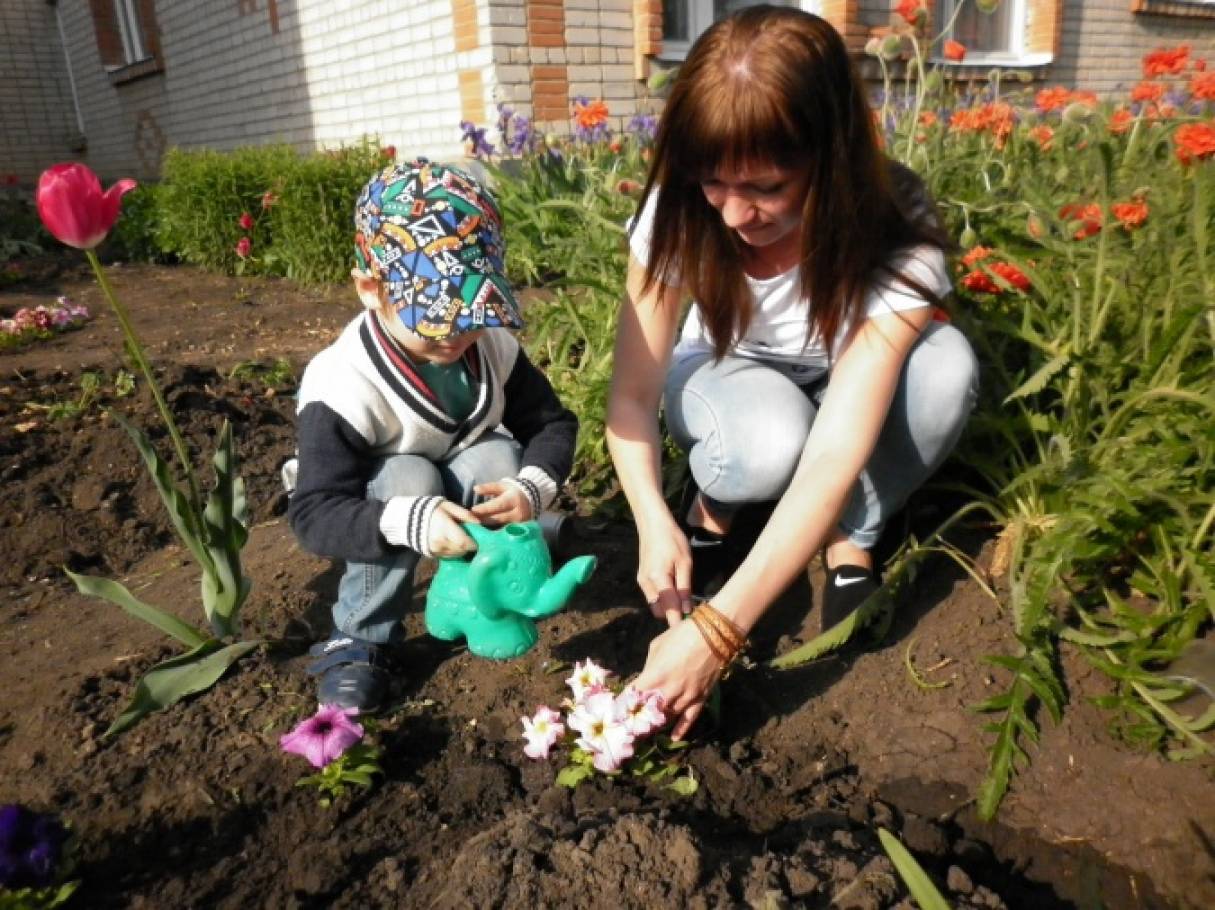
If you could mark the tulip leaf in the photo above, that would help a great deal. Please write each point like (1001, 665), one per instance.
(172, 680)
(923, 891)
(225, 587)
(115, 593)
(182, 512)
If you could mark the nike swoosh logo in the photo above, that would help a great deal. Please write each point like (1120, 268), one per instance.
(697, 542)
(844, 582)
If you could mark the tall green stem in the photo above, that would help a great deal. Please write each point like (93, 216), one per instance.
(141, 361)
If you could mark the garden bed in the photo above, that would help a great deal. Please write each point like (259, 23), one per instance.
(197, 806)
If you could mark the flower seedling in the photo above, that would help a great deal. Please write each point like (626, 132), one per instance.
(35, 860)
(332, 741)
(606, 730)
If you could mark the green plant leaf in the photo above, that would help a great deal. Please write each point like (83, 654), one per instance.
(115, 593)
(186, 521)
(225, 587)
(574, 774)
(686, 785)
(923, 891)
(172, 680)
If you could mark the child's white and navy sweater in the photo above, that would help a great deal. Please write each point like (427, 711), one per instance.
(361, 399)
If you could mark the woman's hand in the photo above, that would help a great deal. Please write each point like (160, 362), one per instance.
(664, 569)
(445, 537)
(507, 503)
(681, 667)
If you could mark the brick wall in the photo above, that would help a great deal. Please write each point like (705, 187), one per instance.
(1092, 27)
(37, 119)
(312, 73)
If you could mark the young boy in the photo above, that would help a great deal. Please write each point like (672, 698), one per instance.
(401, 420)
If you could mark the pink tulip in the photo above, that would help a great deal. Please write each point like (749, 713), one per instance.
(73, 207)
(243, 246)
(246, 221)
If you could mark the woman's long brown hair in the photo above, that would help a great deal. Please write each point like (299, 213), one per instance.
(773, 85)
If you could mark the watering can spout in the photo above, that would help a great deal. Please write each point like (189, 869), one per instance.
(555, 592)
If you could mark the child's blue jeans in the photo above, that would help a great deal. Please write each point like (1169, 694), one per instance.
(373, 596)
(744, 426)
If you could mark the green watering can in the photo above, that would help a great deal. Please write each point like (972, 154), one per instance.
(492, 597)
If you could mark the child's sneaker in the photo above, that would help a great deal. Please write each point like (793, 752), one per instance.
(353, 673)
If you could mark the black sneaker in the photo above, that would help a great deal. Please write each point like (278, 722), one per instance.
(715, 557)
(353, 673)
(845, 588)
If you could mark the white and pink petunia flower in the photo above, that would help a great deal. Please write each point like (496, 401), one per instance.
(640, 712)
(541, 730)
(588, 677)
(604, 735)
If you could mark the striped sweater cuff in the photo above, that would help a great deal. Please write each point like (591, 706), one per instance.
(539, 488)
(405, 521)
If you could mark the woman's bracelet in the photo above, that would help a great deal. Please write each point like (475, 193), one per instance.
(724, 638)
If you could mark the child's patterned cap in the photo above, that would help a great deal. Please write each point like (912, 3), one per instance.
(433, 235)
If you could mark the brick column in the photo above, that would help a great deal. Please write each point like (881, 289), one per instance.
(1045, 21)
(472, 96)
(549, 81)
(647, 35)
(844, 16)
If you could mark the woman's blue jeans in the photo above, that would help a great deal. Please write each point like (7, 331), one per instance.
(373, 596)
(744, 426)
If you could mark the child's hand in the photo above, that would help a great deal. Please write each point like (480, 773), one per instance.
(507, 503)
(446, 537)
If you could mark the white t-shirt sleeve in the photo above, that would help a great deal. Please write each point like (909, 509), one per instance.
(924, 264)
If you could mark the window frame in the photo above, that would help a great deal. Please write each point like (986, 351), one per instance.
(700, 17)
(1193, 9)
(1016, 55)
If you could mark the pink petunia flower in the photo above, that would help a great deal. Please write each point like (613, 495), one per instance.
(325, 736)
(604, 735)
(542, 730)
(588, 677)
(640, 712)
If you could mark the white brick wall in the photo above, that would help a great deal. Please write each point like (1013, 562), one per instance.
(37, 120)
(334, 71)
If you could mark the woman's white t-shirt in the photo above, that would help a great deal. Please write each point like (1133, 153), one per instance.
(777, 333)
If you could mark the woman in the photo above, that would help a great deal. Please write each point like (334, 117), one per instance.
(809, 369)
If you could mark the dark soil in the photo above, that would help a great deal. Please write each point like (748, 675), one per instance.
(197, 807)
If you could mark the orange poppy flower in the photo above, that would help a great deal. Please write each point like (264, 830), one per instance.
(1148, 91)
(976, 254)
(1165, 61)
(590, 115)
(1043, 135)
(1202, 86)
(1130, 214)
(953, 50)
(1194, 140)
(981, 281)
(1121, 120)
(1053, 99)
(911, 10)
(1087, 214)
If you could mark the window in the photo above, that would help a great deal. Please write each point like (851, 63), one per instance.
(128, 41)
(997, 37)
(134, 49)
(684, 20)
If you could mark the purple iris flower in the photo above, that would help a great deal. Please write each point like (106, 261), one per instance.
(31, 844)
(481, 147)
(643, 126)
